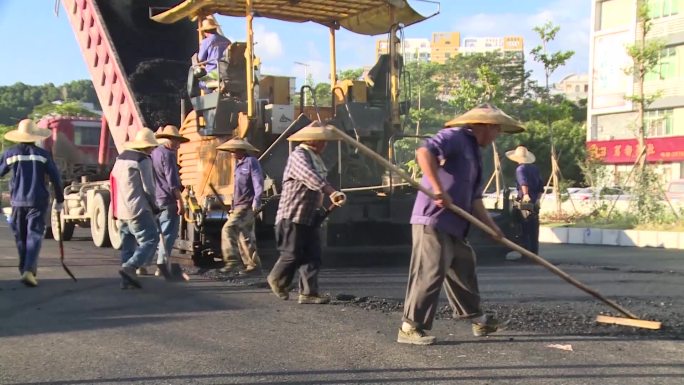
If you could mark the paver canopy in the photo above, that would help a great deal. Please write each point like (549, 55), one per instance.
(366, 17)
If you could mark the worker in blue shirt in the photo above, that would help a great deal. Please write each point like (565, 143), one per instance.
(530, 188)
(237, 234)
(29, 196)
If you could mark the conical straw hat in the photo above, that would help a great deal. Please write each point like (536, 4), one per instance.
(314, 131)
(208, 24)
(27, 132)
(236, 144)
(487, 114)
(143, 139)
(521, 155)
(170, 132)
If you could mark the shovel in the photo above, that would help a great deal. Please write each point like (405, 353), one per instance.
(171, 272)
(61, 247)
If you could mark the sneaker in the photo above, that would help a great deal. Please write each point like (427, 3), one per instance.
(277, 290)
(415, 337)
(29, 279)
(228, 269)
(251, 270)
(157, 273)
(488, 327)
(313, 299)
(128, 276)
(142, 270)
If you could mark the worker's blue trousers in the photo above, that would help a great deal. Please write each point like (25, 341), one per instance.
(28, 225)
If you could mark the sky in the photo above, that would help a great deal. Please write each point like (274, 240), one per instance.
(48, 52)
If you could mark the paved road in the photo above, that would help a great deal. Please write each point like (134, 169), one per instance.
(215, 330)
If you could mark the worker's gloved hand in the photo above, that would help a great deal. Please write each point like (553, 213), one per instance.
(338, 198)
(57, 206)
(526, 198)
(256, 207)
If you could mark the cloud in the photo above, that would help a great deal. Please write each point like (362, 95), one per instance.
(269, 46)
(573, 17)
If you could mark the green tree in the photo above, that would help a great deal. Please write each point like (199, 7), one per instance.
(551, 62)
(64, 109)
(350, 74)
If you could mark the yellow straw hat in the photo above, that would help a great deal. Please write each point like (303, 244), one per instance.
(521, 155)
(314, 131)
(487, 114)
(237, 144)
(144, 138)
(27, 132)
(171, 132)
(208, 24)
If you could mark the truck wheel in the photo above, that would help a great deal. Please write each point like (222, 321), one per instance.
(67, 227)
(113, 227)
(99, 224)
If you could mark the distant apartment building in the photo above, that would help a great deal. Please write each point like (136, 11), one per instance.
(574, 87)
(507, 44)
(611, 120)
(413, 49)
(445, 45)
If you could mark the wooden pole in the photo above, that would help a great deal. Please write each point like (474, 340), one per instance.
(467, 216)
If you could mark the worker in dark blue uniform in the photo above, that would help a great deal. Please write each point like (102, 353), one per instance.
(29, 196)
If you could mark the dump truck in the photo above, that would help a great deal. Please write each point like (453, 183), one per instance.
(138, 55)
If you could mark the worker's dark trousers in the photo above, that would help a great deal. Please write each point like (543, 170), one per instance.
(28, 225)
(529, 238)
(300, 248)
(440, 258)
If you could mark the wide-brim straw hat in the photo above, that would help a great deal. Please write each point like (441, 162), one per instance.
(315, 131)
(170, 132)
(237, 144)
(27, 132)
(143, 139)
(208, 24)
(487, 114)
(521, 155)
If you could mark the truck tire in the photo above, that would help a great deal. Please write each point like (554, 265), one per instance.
(67, 227)
(99, 220)
(113, 228)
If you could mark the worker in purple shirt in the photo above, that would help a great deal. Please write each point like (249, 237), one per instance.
(211, 49)
(451, 162)
(29, 196)
(237, 234)
(530, 187)
(168, 189)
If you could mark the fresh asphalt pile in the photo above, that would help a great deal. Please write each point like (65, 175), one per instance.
(571, 318)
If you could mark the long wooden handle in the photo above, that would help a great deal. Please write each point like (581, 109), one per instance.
(481, 225)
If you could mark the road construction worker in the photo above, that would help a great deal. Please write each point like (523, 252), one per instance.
(29, 196)
(452, 170)
(297, 223)
(167, 189)
(237, 234)
(211, 49)
(530, 187)
(134, 206)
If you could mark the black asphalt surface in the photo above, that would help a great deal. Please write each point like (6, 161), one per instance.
(218, 329)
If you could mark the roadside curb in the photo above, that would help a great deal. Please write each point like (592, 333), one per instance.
(612, 237)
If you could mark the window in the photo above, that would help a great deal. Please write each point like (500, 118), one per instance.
(658, 122)
(577, 88)
(663, 8)
(86, 136)
(666, 68)
(447, 55)
(586, 88)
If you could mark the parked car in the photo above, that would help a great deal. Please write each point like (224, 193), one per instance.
(675, 191)
(603, 193)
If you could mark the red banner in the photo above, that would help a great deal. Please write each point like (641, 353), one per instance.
(670, 149)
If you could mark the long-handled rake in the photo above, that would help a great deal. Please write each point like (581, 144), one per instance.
(631, 320)
(61, 247)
